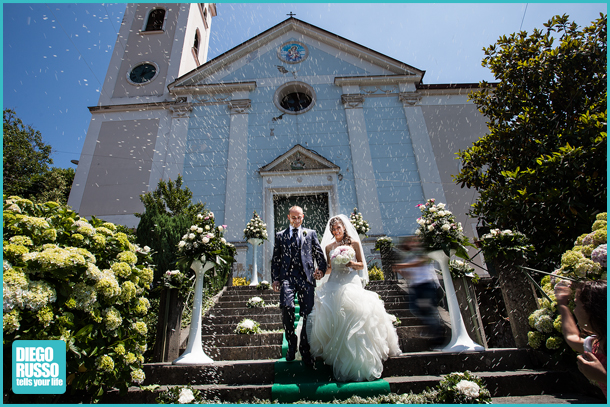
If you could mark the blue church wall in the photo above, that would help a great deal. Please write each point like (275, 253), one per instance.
(205, 159)
(396, 174)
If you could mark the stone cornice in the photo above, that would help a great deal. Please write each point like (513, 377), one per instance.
(379, 80)
(213, 88)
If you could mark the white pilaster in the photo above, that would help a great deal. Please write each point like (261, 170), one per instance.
(237, 170)
(366, 187)
(422, 147)
(168, 161)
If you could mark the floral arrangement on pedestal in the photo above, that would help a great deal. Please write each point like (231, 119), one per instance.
(362, 226)
(585, 261)
(80, 281)
(263, 285)
(256, 228)
(439, 230)
(505, 243)
(459, 269)
(384, 243)
(248, 326)
(175, 279)
(205, 242)
(462, 388)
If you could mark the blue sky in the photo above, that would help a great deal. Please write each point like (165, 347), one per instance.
(56, 55)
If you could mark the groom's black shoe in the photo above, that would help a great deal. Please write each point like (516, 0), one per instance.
(309, 361)
(290, 355)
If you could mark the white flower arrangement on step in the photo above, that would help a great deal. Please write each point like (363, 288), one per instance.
(255, 302)
(248, 326)
(462, 388)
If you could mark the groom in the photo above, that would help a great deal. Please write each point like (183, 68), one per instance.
(292, 272)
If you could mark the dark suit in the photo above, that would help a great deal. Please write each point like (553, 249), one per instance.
(293, 266)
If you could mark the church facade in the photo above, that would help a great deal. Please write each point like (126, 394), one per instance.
(295, 115)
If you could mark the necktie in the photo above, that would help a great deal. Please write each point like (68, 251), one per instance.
(295, 236)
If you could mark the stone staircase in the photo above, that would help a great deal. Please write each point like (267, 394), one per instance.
(244, 364)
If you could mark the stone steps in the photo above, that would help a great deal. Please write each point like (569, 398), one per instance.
(242, 380)
(244, 364)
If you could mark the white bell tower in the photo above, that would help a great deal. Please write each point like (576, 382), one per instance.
(132, 139)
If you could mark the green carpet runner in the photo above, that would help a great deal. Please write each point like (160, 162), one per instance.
(294, 381)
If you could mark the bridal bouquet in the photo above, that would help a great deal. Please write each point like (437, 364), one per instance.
(362, 226)
(256, 228)
(343, 254)
(205, 242)
(439, 230)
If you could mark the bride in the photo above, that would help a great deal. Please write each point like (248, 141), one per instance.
(348, 326)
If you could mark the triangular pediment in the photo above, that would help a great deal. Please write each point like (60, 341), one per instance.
(211, 76)
(299, 159)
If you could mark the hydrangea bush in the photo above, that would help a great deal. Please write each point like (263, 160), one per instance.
(505, 243)
(585, 261)
(256, 228)
(83, 282)
(362, 226)
(439, 230)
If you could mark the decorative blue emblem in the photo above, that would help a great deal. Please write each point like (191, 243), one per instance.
(293, 52)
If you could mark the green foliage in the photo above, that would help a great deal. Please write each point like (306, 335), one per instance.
(52, 185)
(542, 166)
(25, 155)
(375, 274)
(83, 282)
(168, 213)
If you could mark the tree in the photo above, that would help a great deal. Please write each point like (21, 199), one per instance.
(541, 169)
(168, 213)
(25, 155)
(53, 185)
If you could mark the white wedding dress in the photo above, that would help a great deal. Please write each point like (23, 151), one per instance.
(349, 327)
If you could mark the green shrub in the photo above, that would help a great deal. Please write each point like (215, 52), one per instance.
(375, 274)
(83, 282)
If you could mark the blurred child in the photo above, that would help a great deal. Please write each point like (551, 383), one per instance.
(415, 266)
(590, 312)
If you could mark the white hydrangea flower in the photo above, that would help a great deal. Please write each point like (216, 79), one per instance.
(468, 388)
(186, 396)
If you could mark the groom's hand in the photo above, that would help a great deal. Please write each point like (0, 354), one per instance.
(317, 274)
(276, 286)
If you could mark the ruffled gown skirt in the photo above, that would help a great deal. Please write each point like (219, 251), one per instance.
(350, 329)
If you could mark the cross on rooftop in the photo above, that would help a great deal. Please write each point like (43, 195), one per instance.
(291, 14)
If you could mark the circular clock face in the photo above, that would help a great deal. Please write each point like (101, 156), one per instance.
(143, 73)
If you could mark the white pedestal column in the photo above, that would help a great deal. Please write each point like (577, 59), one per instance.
(460, 340)
(254, 243)
(194, 354)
